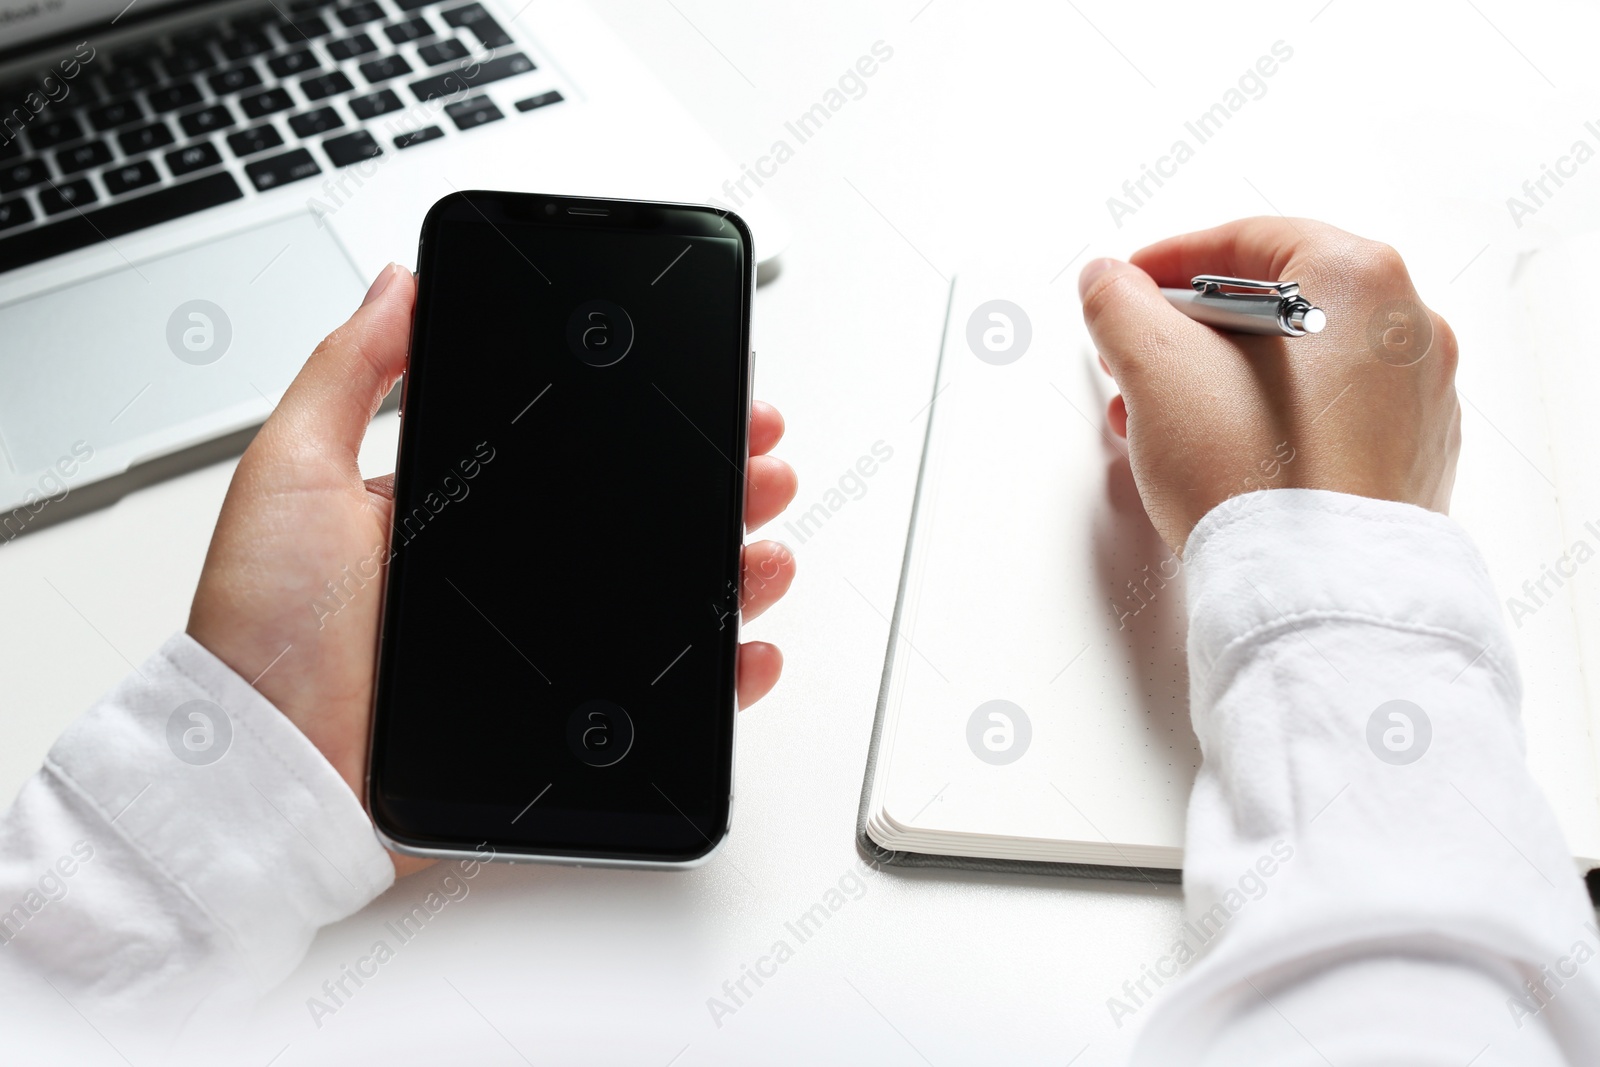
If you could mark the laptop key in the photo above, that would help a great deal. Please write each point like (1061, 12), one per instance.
(473, 17)
(314, 122)
(379, 103)
(351, 148)
(133, 53)
(455, 81)
(354, 15)
(173, 97)
(117, 113)
(130, 176)
(349, 47)
(234, 80)
(265, 103)
(325, 85)
(185, 61)
(249, 142)
(246, 44)
(253, 21)
(410, 30)
(115, 220)
(83, 157)
(145, 138)
(130, 78)
(66, 196)
(202, 36)
(446, 51)
(14, 213)
(542, 100)
(475, 112)
(281, 170)
(304, 28)
(416, 137)
(190, 158)
(47, 133)
(293, 63)
(412, 5)
(464, 15)
(207, 119)
(14, 176)
(86, 91)
(379, 70)
(490, 35)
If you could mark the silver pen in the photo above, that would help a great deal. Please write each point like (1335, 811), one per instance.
(1243, 306)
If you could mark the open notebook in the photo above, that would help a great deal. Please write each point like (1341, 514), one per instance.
(1033, 714)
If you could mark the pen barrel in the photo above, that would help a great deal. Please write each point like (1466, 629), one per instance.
(1236, 314)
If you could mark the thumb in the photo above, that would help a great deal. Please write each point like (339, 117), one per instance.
(330, 402)
(1133, 326)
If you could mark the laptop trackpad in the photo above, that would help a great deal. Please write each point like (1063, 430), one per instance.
(171, 351)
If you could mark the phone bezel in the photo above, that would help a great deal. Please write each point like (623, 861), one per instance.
(554, 210)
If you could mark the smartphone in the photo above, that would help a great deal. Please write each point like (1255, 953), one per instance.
(555, 674)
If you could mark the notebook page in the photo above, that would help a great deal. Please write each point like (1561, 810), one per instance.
(1561, 586)
(1035, 580)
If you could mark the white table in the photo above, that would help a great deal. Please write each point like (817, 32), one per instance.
(990, 133)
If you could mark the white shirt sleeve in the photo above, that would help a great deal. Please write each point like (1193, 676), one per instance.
(173, 858)
(1371, 875)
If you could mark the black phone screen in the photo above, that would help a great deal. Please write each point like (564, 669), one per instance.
(556, 668)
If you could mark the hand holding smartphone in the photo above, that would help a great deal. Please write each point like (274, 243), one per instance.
(558, 655)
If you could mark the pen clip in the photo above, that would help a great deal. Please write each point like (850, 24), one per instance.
(1222, 286)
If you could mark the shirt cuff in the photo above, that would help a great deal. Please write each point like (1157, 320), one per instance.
(227, 801)
(1278, 560)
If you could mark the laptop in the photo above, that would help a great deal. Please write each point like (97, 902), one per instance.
(193, 193)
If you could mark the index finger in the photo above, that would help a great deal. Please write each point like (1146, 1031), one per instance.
(766, 427)
(1263, 248)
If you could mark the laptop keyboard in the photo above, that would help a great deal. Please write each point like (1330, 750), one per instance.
(163, 128)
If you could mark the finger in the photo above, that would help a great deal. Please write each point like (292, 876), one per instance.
(1260, 248)
(1132, 324)
(766, 427)
(760, 664)
(772, 485)
(1103, 364)
(1117, 415)
(766, 575)
(404, 865)
(382, 485)
(332, 399)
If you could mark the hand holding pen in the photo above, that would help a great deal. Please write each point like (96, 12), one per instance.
(1210, 415)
